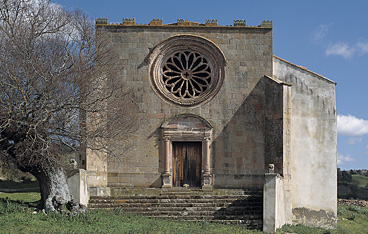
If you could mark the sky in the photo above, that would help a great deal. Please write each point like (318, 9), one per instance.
(329, 37)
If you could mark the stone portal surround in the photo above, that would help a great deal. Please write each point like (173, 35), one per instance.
(203, 135)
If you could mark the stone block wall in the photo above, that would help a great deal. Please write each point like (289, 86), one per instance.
(236, 112)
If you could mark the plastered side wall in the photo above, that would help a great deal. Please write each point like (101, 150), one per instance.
(313, 145)
(237, 151)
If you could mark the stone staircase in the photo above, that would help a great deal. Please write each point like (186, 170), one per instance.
(228, 207)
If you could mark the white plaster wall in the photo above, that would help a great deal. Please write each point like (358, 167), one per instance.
(313, 145)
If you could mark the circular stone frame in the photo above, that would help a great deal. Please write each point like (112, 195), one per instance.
(214, 57)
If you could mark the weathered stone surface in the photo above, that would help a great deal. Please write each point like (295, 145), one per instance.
(245, 210)
(266, 111)
(243, 112)
(313, 142)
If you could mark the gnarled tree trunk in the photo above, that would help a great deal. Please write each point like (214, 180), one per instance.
(53, 183)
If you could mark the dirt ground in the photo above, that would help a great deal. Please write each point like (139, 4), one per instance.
(353, 202)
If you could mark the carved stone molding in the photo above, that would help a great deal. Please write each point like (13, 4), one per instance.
(207, 181)
(187, 127)
(187, 70)
(166, 180)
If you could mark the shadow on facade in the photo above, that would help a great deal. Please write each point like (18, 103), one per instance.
(238, 151)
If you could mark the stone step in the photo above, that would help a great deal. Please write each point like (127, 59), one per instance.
(121, 191)
(218, 210)
(177, 206)
(237, 219)
(174, 205)
(178, 197)
(216, 197)
(202, 210)
(180, 203)
(246, 210)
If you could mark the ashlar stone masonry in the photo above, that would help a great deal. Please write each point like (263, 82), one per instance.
(217, 110)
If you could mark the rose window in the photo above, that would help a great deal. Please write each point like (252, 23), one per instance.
(187, 74)
(186, 70)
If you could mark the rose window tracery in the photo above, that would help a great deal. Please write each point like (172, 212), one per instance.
(187, 74)
(187, 70)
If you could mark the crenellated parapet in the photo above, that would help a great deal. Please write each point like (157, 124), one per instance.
(128, 21)
(102, 21)
(211, 22)
(241, 23)
(155, 22)
(186, 23)
(266, 24)
(183, 23)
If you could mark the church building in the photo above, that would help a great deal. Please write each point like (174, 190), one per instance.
(217, 110)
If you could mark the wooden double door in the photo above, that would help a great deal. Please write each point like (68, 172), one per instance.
(187, 163)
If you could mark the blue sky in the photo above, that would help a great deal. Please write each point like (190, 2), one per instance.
(329, 37)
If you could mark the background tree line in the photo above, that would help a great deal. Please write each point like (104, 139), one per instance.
(352, 184)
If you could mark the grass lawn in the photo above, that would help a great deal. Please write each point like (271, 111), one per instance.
(18, 217)
(28, 186)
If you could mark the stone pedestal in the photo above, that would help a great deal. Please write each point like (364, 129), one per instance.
(166, 180)
(207, 181)
(77, 182)
(276, 203)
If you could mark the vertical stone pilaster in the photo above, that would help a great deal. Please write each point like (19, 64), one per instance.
(166, 176)
(207, 154)
(207, 179)
(167, 155)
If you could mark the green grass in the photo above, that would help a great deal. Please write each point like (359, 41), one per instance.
(103, 222)
(351, 220)
(28, 197)
(17, 216)
(362, 180)
(29, 186)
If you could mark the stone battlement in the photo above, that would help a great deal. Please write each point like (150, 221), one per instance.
(182, 23)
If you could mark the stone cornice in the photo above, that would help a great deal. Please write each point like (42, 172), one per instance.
(183, 23)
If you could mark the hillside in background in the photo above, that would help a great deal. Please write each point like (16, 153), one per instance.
(352, 184)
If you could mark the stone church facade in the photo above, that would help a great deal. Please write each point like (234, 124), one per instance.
(217, 110)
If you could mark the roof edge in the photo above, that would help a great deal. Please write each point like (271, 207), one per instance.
(304, 69)
(278, 81)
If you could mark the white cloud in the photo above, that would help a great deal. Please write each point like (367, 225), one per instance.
(347, 50)
(351, 126)
(342, 49)
(321, 33)
(353, 140)
(362, 47)
(341, 159)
